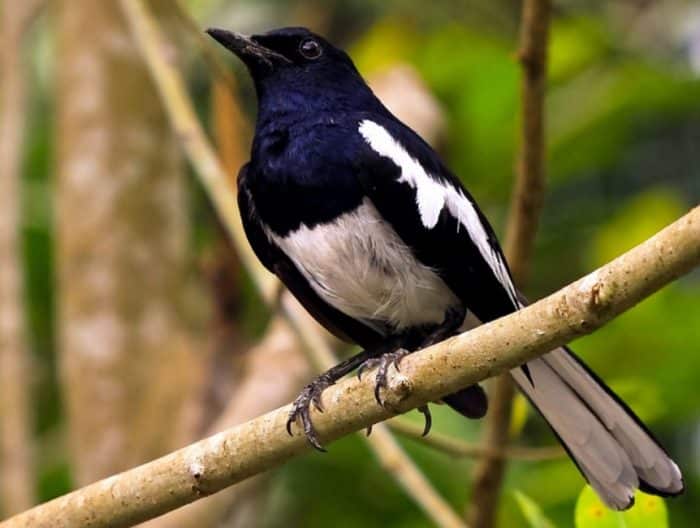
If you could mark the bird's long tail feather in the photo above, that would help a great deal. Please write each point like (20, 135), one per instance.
(612, 448)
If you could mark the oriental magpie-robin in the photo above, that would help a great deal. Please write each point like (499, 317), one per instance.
(381, 243)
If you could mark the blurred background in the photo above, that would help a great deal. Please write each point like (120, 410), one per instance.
(128, 327)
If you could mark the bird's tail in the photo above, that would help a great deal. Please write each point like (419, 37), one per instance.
(611, 447)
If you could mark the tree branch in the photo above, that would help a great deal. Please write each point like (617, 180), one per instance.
(263, 443)
(214, 178)
(391, 456)
(528, 195)
(523, 220)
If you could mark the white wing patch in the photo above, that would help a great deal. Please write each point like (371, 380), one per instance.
(432, 196)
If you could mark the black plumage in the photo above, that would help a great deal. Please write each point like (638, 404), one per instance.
(379, 241)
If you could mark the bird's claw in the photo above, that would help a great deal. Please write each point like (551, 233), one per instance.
(425, 411)
(367, 365)
(311, 395)
(301, 409)
(382, 363)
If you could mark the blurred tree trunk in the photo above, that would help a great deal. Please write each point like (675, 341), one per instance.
(16, 464)
(132, 380)
(274, 371)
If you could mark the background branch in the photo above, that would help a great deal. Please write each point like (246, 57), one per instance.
(459, 448)
(214, 178)
(263, 443)
(523, 220)
(528, 195)
(212, 58)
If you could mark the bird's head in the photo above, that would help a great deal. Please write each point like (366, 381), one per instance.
(293, 67)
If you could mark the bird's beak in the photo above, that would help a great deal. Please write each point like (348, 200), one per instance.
(246, 48)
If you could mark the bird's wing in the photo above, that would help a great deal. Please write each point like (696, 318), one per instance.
(336, 322)
(434, 215)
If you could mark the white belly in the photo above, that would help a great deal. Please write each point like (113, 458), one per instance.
(359, 265)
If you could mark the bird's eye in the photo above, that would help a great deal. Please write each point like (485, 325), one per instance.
(310, 49)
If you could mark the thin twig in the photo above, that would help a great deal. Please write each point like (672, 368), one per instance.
(213, 176)
(427, 375)
(488, 473)
(520, 241)
(528, 195)
(231, 129)
(213, 59)
(459, 448)
(196, 145)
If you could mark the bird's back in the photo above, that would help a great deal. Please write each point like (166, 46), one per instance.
(381, 243)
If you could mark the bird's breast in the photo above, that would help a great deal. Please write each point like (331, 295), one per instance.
(359, 265)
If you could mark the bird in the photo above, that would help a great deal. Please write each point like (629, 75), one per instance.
(382, 244)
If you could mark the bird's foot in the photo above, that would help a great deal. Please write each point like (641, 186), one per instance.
(382, 363)
(301, 408)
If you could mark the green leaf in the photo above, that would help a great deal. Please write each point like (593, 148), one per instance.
(532, 511)
(648, 512)
(518, 415)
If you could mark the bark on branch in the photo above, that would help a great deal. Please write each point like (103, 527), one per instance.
(261, 444)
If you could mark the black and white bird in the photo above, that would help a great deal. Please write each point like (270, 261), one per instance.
(381, 243)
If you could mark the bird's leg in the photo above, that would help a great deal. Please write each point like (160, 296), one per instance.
(383, 363)
(311, 394)
(383, 356)
(454, 317)
(470, 402)
(453, 320)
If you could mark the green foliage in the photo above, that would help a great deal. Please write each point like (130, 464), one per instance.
(575, 44)
(348, 488)
(660, 349)
(54, 480)
(648, 512)
(397, 41)
(623, 128)
(532, 512)
(639, 218)
(476, 79)
(519, 414)
(642, 395)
